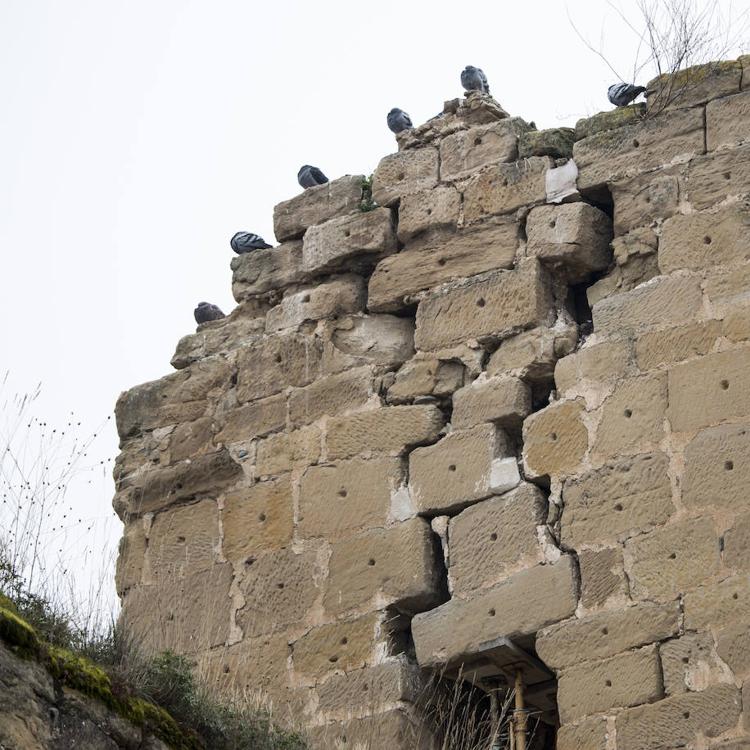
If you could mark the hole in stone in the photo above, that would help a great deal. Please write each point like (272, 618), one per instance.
(306, 298)
(552, 223)
(686, 714)
(727, 175)
(481, 302)
(365, 688)
(618, 507)
(673, 556)
(491, 613)
(371, 562)
(505, 182)
(608, 683)
(249, 561)
(226, 669)
(648, 199)
(429, 211)
(636, 143)
(724, 385)
(347, 233)
(477, 141)
(707, 240)
(493, 536)
(333, 659)
(343, 492)
(262, 517)
(452, 467)
(728, 465)
(278, 359)
(605, 631)
(178, 486)
(279, 586)
(233, 379)
(181, 539)
(628, 413)
(441, 261)
(686, 660)
(735, 595)
(553, 437)
(344, 641)
(400, 176)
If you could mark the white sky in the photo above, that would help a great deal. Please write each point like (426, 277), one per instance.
(137, 136)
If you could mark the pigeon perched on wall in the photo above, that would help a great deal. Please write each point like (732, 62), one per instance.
(246, 242)
(206, 311)
(474, 79)
(621, 94)
(310, 177)
(398, 120)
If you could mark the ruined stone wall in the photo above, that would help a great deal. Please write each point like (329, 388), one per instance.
(491, 416)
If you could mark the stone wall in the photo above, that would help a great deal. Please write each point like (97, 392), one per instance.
(488, 413)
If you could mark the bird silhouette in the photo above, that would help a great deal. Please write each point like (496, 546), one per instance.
(398, 120)
(206, 311)
(309, 176)
(246, 242)
(621, 94)
(474, 79)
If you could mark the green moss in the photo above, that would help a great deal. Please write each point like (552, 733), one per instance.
(611, 120)
(555, 142)
(695, 74)
(17, 633)
(161, 724)
(81, 674)
(6, 603)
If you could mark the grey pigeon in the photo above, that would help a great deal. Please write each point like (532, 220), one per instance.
(246, 242)
(310, 177)
(474, 79)
(621, 94)
(206, 311)
(398, 120)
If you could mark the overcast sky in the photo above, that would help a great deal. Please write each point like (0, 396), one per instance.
(137, 136)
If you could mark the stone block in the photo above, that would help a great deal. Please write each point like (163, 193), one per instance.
(503, 400)
(191, 439)
(712, 178)
(669, 561)
(526, 602)
(335, 244)
(614, 118)
(316, 205)
(426, 377)
(504, 188)
(704, 240)
(279, 588)
(605, 634)
(264, 271)
(489, 307)
(572, 236)
(727, 121)
(131, 556)
(555, 142)
(679, 721)
(635, 272)
(665, 300)
(439, 257)
(633, 416)
(626, 496)
(392, 430)
(717, 605)
(737, 543)
(380, 339)
(383, 567)
(736, 323)
(342, 295)
(733, 647)
(467, 151)
(695, 85)
(491, 539)
(597, 363)
(285, 451)
(634, 149)
(629, 679)
(670, 345)
(432, 209)
(590, 734)
(257, 519)
(457, 470)
(726, 287)
(641, 200)
(351, 496)
(709, 390)
(690, 664)
(602, 576)
(555, 439)
(256, 419)
(404, 173)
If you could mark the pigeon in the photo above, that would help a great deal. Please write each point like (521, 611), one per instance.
(398, 120)
(206, 311)
(310, 177)
(621, 94)
(246, 242)
(474, 79)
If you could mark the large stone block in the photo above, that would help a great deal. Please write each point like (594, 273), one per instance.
(432, 209)
(607, 633)
(494, 537)
(338, 242)
(526, 602)
(610, 120)
(393, 430)
(457, 470)
(590, 734)
(555, 439)
(440, 257)
(737, 543)
(679, 721)
(404, 173)
(394, 566)
(630, 679)
(264, 271)
(717, 605)
(503, 400)
(284, 451)
(131, 554)
(554, 142)
(596, 363)
(690, 663)
(504, 188)
(602, 576)
(256, 419)
(351, 496)
(712, 178)
(426, 377)
(669, 561)
(641, 200)
(379, 339)
(670, 345)
(709, 390)
(489, 307)
(257, 519)
(733, 647)
(316, 205)
(626, 496)
(727, 286)
(695, 85)
(191, 439)
(572, 236)
(727, 121)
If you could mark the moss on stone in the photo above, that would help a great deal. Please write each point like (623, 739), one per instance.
(555, 142)
(80, 673)
(7, 603)
(16, 632)
(611, 120)
(693, 75)
(159, 722)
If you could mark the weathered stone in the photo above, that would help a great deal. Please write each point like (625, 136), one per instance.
(395, 566)
(718, 604)
(426, 377)
(264, 271)
(654, 348)
(459, 254)
(257, 519)
(457, 470)
(605, 634)
(503, 400)
(602, 576)
(727, 121)
(737, 543)
(555, 439)
(256, 419)
(590, 734)
(191, 439)
(393, 430)
(633, 149)
(614, 118)
(679, 721)
(489, 540)
(345, 294)
(404, 173)
(709, 390)
(672, 560)
(131, 555)
(485, 308)
(478, 108)
(629, 679)
(526, 602)
(503, 188)
(316, 205)
(637, 271)
(352, 496)
(690, 663)
(695, 85)
(436, 208)
(727, 286)
(733, 647)
(712, 178)
(380, 339)
(596, 363)
(736, 323)
(643, 199)
(555, 142)
(338, 242)
(623, 497)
